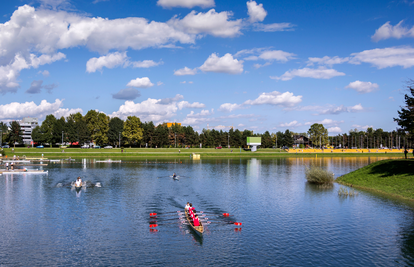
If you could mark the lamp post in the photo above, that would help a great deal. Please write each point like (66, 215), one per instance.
(119, 139)
(1, 136)
(62, 138)
(175, 139)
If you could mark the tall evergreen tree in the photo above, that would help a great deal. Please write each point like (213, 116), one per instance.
(15, 134)
(266, 140)
(406, 116)
(47, 129)
(116, 126)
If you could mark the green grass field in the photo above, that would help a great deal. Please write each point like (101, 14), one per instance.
(172, 153)
(392, 177)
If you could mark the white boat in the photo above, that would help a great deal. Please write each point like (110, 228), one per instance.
(16, 161)
(24, 172)
(109, 161)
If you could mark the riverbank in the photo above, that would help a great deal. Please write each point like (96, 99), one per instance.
(175, 153)
(390, 177)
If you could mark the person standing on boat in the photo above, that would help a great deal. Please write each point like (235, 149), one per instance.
(196, 221)
(12, 166)
(78, 182)
(7, 166)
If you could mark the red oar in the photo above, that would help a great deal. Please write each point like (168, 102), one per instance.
(156, 225)
(235, 223)
(200, 212)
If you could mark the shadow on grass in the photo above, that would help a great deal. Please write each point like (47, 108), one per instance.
(387, 168)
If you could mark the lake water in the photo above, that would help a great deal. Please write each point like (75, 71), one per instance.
(285, 221)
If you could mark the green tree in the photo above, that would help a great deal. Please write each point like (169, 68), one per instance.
(406, 116)
(70, 133)
(58, 130)
(116, 126)
(101, 132)
(160, 138)
(37, 135)
(149, 133)
(280, 140)
(15, 134)
(288, 138)
(4, 132)
(82, 130)
(318, 134)
(266, 140)
(47, 129)
(132, 130)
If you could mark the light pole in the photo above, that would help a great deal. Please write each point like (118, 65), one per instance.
(228, 140)
(1, 136)
(175, 140)
(62, 138)
(119, 139)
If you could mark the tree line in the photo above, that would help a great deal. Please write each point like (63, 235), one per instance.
(102, 130)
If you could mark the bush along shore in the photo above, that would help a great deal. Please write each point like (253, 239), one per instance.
(389, 177)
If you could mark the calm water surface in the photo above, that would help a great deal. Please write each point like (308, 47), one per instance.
(286, 222)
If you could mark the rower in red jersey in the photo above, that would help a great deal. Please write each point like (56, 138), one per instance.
(196, 221)
(190, 209)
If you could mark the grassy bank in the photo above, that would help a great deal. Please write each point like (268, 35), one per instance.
(391, 177)
(174, 153)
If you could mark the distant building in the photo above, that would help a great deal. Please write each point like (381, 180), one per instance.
(301, 140)
(27, 125)
(170, 124)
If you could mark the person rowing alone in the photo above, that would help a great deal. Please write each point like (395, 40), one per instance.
(78, 182)
(174, 176)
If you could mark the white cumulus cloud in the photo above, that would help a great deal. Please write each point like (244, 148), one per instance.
(363, 87)
(387, 31)
(228, 107)
(386, 57)
(286, 99)
(291, 124)
(141, 83)
(224, 64)
(185, 3)
(335, 129)
(255, 11)
(117, 59)
(16, 110)
(211, 22)
(186, 104)
(109, 61)
(320, 73)
(185, 71)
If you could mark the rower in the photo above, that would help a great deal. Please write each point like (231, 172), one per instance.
(190, 209)
(174, 176)
(196, 221)
(78, 182)
(187, 206)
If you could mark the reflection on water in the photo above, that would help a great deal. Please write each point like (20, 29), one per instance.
(286, 221)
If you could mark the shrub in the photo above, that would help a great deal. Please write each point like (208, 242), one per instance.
(344, 192)
(317, 175)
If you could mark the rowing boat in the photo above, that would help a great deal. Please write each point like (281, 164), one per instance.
(198, 229)
(19, 171)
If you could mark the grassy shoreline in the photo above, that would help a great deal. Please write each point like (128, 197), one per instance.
(176, 153)
(393, 178)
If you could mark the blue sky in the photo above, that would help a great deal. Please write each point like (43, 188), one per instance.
(257, 65)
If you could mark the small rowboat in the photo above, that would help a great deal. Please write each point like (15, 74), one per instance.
(198, 229)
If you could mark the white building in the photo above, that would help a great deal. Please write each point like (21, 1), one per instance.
(27, 125)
